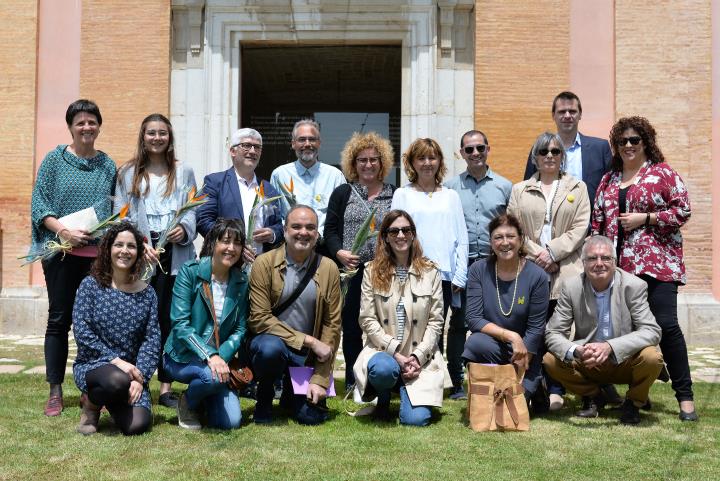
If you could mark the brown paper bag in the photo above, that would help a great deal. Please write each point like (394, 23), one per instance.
(496, 401)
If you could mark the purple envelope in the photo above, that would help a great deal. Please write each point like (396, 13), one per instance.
(300, 378)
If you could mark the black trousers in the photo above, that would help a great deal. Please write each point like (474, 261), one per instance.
(63, 276)
(662, 297)
(352, 334)
(163, 284)
(108, 386)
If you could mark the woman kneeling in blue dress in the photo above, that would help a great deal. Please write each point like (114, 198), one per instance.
(213, 289)
(117, 335)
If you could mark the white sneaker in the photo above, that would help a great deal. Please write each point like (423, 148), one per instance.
(187, 418)
(556, 402)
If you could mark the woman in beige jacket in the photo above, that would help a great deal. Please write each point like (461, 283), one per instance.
(554, 210)
(401, 316)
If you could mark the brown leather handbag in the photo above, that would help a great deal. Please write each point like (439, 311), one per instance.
(496, 401)
(240, 376)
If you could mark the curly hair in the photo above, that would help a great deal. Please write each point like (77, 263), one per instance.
(141, 160)
(511, 221)
(232, 227)
(101, 268)
(420, 148)
(359, 142)
(647, 133)
(384, 262)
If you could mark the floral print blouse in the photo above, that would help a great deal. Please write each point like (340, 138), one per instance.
(656, 250)
(110, 323)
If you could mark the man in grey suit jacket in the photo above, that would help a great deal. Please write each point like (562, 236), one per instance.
(588, 158)
(615, 338)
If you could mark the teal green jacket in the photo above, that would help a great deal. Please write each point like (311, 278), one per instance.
(191, 336)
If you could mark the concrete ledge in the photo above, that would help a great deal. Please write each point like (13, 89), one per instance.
(699, 317)
(23, 310)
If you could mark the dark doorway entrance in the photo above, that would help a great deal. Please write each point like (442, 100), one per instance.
(345, 89)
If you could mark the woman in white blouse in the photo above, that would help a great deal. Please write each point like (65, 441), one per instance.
(438, 215)
(155, 183)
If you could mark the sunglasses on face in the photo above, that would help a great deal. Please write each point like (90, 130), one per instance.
(555, 152)
(481, 148)
(394, 231)
(634, 140)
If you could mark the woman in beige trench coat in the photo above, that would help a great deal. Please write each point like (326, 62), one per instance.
(401, 317)
(554, 211)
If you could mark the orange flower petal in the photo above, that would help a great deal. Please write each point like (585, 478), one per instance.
(372, 224)
(124, 211)
(292, 185)
(261, 193)
(195, 199)
(191, 194)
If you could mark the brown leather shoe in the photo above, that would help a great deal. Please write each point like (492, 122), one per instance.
(89, 416)
(54, 406)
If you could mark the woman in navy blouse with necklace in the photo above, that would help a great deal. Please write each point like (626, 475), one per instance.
(117, 335)
(507, 300)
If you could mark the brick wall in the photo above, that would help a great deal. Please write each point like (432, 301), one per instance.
(18, 45)
(663, 68)
(522, 51)
(125, 67)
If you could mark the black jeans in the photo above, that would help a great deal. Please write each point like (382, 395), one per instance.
(662, 297)
(63, 276)
(351, 333)
(108, 386)
(163, 284)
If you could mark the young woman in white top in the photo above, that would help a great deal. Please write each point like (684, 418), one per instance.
(155, 184)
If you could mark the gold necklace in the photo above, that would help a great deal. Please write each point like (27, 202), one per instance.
(430, 193)
(497, 290)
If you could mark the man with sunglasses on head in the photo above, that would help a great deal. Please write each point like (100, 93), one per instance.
(312, 180)
(484, 195)
(587, 158)
(231, 195)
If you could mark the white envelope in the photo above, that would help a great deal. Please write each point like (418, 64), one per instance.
(84, 219)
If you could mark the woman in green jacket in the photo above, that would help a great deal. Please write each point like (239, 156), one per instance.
(209, 289)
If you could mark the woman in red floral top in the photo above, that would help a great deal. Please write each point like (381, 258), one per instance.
(641, 205)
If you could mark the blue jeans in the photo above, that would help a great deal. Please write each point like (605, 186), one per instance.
(384, 377)
(222, 406)
(270, 358)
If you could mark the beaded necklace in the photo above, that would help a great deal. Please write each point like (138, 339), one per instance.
(497, 290)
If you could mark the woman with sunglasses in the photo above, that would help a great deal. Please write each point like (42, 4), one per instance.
(155, 184)
(71, 178)
(117, 335)
(438, 214)
(366, 160)
(507, 302)
(641, 204)
(554, 211)
(401, 316)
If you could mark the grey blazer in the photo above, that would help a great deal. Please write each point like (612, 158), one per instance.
(633, 323)
(182, 251)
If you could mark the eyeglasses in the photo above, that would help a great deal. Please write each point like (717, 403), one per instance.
(368, 160)
(302, 140)
(247, 146)
(555, 152)
(481, 148)
(394, 231)
(603, 259)
(634, 140)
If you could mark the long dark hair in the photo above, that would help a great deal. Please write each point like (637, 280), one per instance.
(384, 262)
(141, 160)
(101, 269)
(233, 227)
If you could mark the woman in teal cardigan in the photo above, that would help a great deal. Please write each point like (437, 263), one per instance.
(213, 287)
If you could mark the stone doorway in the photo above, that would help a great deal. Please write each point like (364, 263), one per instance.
(345, 88)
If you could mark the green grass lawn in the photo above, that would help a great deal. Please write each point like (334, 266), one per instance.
(558, 446)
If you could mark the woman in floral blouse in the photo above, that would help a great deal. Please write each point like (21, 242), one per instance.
(641, 204)
(117, 335)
